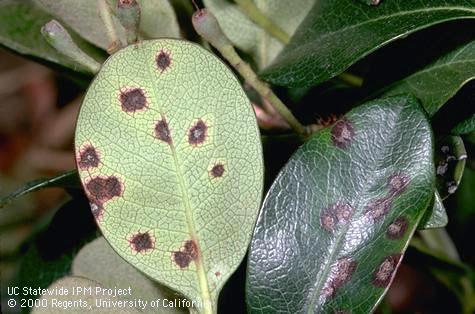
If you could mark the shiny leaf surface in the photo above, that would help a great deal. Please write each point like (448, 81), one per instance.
(336, 221)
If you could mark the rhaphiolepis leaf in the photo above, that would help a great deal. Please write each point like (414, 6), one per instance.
(170, 157)
(437, 83)
(335, 223)
(337, 33)
(465, 126)
(450, 161)
(20, 25)
(435, 216)
(252, 38)
(157, 19)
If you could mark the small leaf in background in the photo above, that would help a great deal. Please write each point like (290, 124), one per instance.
(336, 221)
(440, 81)
(450, 161)
(67, 179)
(248, 36)
(99, 262)
(53, 303)
(465, 127)
(157, 19)
(336, 34)
(170, 157)
(20, 30)
(435, 216)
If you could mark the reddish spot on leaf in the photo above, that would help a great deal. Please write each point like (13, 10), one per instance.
(142, 242)
(385, 272)
(340, 273)
(188, 253)
(88, 158)
(342, 133)
(126, 3)
(97, 211)
(197, 133)
(397, 183)
(339, 213)
(328, 220)
(162, 131)
(217, 171)
(397, 229)
(378, 208)
(132, 99)
(217, 274)
(102, 189)
(163, 60)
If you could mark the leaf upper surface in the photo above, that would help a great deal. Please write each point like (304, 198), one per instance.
(169, 154)
(336, 34)
(336, 221)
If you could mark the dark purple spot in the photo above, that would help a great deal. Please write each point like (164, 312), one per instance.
(197, 133)
(397, 183)
(217, 274)
(188, 253)
(163, 60)
(340, 273)
(97, 210)
(397, 229)
(88, 158)
(126, 3)
(378, 208)
(383, 276)
(217, 171)
(102, 189)
(339, 213)
(342, 133)
(133, 100)
(142, 242)
(162, 131)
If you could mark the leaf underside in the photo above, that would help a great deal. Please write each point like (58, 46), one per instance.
(169, 153)
(336, 34)
(336, 221)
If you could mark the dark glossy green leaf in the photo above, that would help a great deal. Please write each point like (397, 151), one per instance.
(450, 162)
(20, 24)
(69, 179)
(370, 2)
(437, 83)
(465, 126)
(335, 223)
(337, 33)
(435, 216)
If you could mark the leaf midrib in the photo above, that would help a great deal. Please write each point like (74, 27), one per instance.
(202, 280)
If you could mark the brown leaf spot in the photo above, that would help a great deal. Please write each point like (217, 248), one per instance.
(133, 100)
(340, 273)
(102, 189)
(383, 276)
(397, 229)
(88, 158)
(342, 133)
(397, 183)
(162, 131)
(339, 213)
(217, 274)
(186, 254)
(163, 60)
(197, 133)
(142, 242)
(97, 211)
(328, 220)
(378, 208)
(217, 171)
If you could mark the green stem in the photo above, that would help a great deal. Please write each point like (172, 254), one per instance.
(263, 21)
(106, 17)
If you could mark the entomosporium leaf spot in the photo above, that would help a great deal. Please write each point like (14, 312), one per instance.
(339, 213)
(88, 158)
(97, 210)
(397, 229)
(163, 60)
(133, 100)
(188, 253)
(342, 133)
(383, 276)
(217, 170)
(162, 131)
(340, 274)
(397, 183)
(103, 189)
(197, 133)
(142, 242)
(376, 209)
